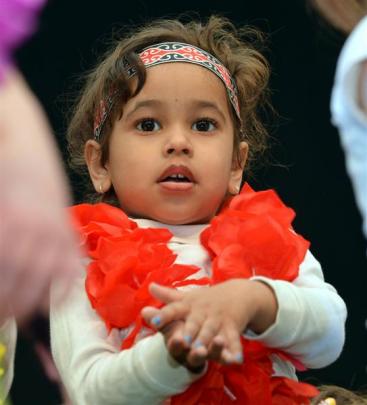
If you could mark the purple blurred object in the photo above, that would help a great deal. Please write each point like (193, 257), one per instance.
(18, 20)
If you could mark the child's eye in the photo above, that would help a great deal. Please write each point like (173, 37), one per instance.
(204, 125)
(148, 125)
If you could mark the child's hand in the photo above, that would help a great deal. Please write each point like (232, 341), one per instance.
(215, 317)
(177, 347)
(179, 344)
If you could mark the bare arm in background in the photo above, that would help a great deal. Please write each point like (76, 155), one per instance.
(36, 241)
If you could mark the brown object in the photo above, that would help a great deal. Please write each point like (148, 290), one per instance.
(343, 15)
(341, 396)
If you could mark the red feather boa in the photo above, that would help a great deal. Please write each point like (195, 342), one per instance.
(251, 236)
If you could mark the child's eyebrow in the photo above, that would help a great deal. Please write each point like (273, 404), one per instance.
(144, 103)
(196, 105)
(208, 104)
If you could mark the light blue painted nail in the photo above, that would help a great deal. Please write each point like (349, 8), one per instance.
(188, 339)
(239, 358)
(197, 344)
(156, 320)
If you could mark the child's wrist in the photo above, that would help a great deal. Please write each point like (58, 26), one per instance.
(265, 307)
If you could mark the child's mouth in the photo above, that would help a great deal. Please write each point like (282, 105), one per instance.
(177, 174)
(177, 178)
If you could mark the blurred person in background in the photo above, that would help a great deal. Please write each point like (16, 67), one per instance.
(36, 242)
(349, 94)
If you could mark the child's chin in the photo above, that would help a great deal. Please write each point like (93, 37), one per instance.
(180, 219)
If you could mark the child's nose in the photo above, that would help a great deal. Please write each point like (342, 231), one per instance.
(178, 144)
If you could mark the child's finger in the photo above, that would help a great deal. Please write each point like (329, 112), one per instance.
(216, 348)
(208, 330)
(233, 353)
(171, 312)
(192, 326)
(197, 357)
(148, 313)
(177, 347)
(226, 357)
(164, 294)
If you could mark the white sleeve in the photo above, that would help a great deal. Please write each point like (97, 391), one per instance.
(347, 115)
(310, 323)
(95, 371)
(344, 98)
(8, 337)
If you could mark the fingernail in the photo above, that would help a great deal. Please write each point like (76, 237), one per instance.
(156, 320)
(239, 358)
(188, 339)
(197, 344)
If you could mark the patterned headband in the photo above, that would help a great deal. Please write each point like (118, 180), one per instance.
(168, 52)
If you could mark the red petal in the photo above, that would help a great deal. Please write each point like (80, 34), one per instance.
(118, 306)
(94, 282)
(252, 235)
(287, 391)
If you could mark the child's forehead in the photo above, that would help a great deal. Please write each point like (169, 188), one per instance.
(177, 72)
(173, 69)
(180, 82)
(180, 52)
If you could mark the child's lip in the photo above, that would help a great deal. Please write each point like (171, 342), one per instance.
(176, 187)
(177, 170)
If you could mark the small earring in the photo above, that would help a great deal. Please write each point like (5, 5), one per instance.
(235, 190)
(100, 189)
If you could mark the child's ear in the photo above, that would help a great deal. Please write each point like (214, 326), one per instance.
(98, 173)
(237, 169)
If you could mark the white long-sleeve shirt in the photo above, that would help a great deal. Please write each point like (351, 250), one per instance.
(347, 115)
(309, 326)
(8, 337)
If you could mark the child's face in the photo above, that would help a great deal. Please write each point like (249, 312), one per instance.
(171, 153)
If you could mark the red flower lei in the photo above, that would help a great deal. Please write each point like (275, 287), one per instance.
(251, 236)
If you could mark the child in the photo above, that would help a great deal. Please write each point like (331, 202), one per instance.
(165, 126)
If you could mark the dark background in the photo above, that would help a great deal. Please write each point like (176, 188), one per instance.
(308, 165)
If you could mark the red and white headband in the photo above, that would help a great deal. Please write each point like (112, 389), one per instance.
(168, 52)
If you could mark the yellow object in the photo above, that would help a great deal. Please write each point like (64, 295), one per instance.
(2, 351)
(328, 401)
(2, 354)
(2, 371)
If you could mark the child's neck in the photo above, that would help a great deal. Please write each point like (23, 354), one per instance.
(186, 232)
